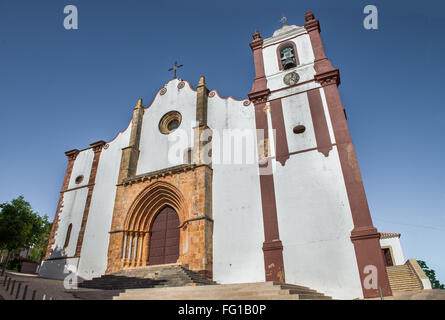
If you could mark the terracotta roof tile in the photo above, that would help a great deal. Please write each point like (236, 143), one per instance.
(389, 235)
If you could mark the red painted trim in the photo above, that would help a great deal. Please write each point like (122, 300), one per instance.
(282, 148)
(324, 144)
(225, 98)
(364, 236)
(285, 43)
(272, 247)
(97, 148)
(72, 154)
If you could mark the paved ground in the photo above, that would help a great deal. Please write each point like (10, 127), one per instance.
(45, 288)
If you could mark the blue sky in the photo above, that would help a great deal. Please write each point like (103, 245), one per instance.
(61, 90)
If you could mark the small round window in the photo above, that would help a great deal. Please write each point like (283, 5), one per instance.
(170, 122)
(79, 179)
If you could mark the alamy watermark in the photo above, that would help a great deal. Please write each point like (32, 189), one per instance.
(224, 147)
(71, 21)
(371, 21)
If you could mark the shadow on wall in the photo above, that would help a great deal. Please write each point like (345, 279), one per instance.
(59, 267)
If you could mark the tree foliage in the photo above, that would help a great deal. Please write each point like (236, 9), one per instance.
(431, 274)
(20, 226)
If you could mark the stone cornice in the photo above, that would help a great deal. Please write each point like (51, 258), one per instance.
(97, 146)
(161, 173)
(72, 154)
(364, 233)
(312, 25)
(259, 96)
(329, 77)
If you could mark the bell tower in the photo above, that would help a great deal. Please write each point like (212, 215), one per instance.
(317, 181)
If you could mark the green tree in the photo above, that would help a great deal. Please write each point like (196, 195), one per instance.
(431, 274)
(42, 237)
(19, 226)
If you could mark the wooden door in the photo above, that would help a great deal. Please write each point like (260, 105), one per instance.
(388, 258)
(164, 240)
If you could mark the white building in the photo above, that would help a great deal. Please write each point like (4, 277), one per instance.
(298, 215)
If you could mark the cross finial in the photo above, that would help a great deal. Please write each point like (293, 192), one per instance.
(283, 20)
(175, 67)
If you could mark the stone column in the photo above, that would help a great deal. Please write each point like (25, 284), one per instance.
(133, 249)
(130, 154)
(146, 248)
(201, 131)
(128, 167)
(139, 252)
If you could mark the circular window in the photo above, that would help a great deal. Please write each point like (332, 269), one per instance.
(79, 179)
(170, 122)
(299, 129)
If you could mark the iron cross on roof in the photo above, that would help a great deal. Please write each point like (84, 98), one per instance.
(175, 67)
(283, 20)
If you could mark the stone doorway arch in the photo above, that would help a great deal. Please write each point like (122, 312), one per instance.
(187, 189)
(160, 198)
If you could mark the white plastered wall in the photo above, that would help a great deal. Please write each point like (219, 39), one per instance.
(154, 145)
(94, 252)
(396, 249)
(71, 213)
(314, 216)
(238, 232)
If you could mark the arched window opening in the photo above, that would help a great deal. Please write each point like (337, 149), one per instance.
(68, 235)
(287, 56)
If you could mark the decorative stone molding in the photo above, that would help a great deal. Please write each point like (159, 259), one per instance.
(72, 154)
(311, 24)
(161, 173)
(259, 97)
(185, 188)
(97, 146)
(257, 40)
(328, 78)
(181, 85)
(163, 91)
(167, 119)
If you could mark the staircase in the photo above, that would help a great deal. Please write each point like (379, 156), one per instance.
(173, 275)
(402, 278)
(245, 291)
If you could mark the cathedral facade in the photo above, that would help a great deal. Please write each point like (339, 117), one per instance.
(170, 188)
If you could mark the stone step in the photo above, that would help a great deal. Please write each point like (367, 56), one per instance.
(215, 292)
(244, 286)
(402, 278)
(247, 291)
(148, 277)
(229, 297)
